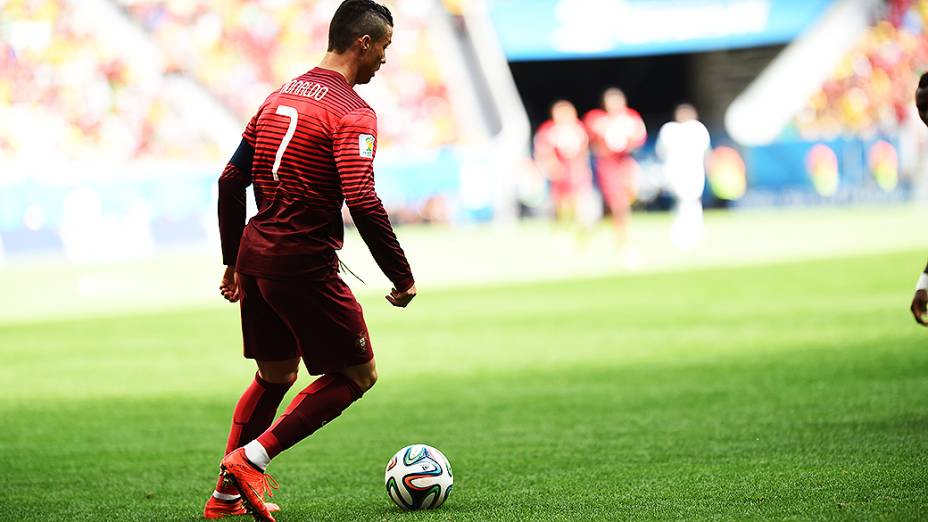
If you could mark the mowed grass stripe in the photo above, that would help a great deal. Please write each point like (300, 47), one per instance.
(785, 391)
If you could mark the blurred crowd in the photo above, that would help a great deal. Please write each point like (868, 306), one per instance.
(120, 86)
(241, 50)
(871, 91)
(66, 89)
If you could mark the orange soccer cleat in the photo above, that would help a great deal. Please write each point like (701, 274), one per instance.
(251, 482)
(217, 508)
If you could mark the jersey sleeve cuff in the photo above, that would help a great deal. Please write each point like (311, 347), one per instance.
(404, 284)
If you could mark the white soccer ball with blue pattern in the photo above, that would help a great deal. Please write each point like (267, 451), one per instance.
(418, 477)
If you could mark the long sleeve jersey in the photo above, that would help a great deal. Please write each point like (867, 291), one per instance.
(309, 149)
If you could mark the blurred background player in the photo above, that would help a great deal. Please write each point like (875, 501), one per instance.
(682, 146)
(309, 149)
(562, 151)
(920, 299)
(615, 132)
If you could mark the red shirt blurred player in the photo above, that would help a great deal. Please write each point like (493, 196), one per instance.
(562, 151)
(309, 148)
(616, 131)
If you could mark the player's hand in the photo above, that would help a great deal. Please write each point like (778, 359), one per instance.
(229, 287)
(921, 98)
(919, 302)
(401, 299)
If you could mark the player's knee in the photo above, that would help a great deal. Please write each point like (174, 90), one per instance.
(279, 372)
(371, 379)
(366, 380)
(279, 377)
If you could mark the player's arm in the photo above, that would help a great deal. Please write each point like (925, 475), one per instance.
(921, 98)
(920, 300)
(545, 155)
(232, 183)
(639, 133)
(660, 146)
(354, 143)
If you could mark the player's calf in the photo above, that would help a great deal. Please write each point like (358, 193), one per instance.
(312, 408)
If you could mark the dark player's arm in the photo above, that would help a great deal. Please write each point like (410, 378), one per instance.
(367, 212)
(232, 183)
(921, 97)
(373, 224)
(920, 299)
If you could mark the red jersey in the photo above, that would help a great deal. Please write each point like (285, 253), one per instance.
(563, 146)
(314, 142)
(568, 142)
(615, 135)
(563, 152)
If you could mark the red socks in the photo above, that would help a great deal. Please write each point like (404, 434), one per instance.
(255, 411)
(319, 403)
(253, 414)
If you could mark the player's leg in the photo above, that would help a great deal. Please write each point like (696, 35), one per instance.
(268, 340)
(254, 413)
(257, 407)
(329, 325)
(620, 207)
(364, 375)
(618, 193)
(279, 372)
(314, 407)
(560, 197)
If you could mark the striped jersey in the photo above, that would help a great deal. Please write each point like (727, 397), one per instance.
(314, 142)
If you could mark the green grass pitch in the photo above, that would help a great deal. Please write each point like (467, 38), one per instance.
(788, 391)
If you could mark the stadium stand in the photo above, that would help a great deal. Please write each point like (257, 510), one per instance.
(85, 93)
(68, 85)
(871, 90)
(123, 111)
(241, 50)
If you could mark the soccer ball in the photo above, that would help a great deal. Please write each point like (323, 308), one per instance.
(418, 477)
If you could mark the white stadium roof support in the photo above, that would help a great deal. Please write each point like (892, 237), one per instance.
(771, 101)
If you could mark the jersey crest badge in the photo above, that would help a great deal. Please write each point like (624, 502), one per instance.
(366, 146)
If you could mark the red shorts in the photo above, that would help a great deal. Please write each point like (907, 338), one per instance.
(573, 182)
(320, 321)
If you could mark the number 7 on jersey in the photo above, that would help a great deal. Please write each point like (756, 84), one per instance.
(290, 112)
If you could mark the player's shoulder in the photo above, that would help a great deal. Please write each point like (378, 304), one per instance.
(593, 115)
(699, 129)
(670, 126)
(545, 127)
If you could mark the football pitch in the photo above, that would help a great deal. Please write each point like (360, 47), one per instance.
(794, 390)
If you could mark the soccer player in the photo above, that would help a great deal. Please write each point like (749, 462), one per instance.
(309, 148)
(616, 131)
(682, 145)
(920, 300)
(562, 152)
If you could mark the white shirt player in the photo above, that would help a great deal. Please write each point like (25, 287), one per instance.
(682, 145)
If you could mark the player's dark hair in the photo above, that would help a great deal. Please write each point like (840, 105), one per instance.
(355, 18)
